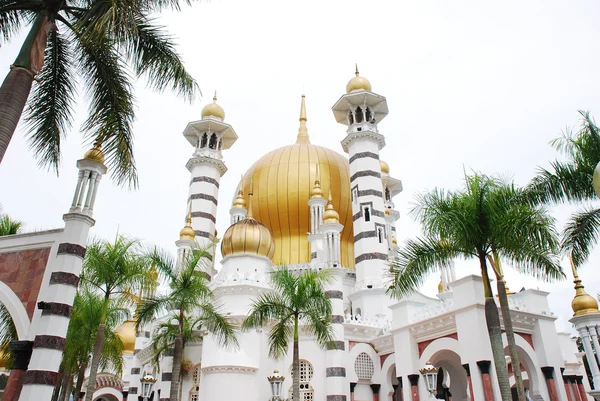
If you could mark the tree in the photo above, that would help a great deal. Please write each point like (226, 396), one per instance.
(114, 270)
(189, 294)
(487, 218)
(92, 41)
(9, 226)
(297, 298)
(572, 181)
(81, 335)
(8, 333)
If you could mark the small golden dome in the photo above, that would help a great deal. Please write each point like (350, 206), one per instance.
(127, 333)
(440, 287)
(95, 154)
(358, 83)
(330, 215)
(583, 303)
(387, 212)
(248, 237)
(384, 167)
(187, 232)
(213, 109)
(394, 242)
(239, 200)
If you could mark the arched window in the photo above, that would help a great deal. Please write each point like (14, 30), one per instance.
(359, 115)
(387, 193)
(213, 141)
(379, 235)
(368, 115)
(364, 366)
(306, 374)
(195, 390)
(204, 140)
(367, 214)
(350, 118)
(358, 312)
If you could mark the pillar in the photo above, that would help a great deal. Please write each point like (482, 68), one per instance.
(484, 367)
(581, 388)
(352, 385)
(399, 393)
(575, 389)
(414, 386)
(548, 372)
(469, 381)
(375, 389)
(21, 355)
(335, 373)
(567, 384)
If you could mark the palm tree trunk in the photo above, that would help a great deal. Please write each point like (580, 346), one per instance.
(68, 387)
(17, 84)
(80, 379)
(492, 319)
(510, 336)
(89, 392)
(59, 383)
(176, 371)
(296, 362)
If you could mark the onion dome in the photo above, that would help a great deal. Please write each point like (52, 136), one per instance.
(95, 154)
(187, 232)
(248, 237)
(239, 201)
(127, 333)
(358, 83)
(387, 212)
(330, 215)
(213, 109)
(583, 303)
(385, 168)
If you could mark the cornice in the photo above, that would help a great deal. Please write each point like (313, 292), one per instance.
(357, 135)
(207, 160)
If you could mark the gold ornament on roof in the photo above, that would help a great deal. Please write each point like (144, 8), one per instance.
(440, 287)
(302, 130)
(583, 303)
(213, 109)
(330, 215)
(95, 153)
(358, 83)
(248, 236)
(385, 168)
(239, 200)
(187, 232)
(317, 192)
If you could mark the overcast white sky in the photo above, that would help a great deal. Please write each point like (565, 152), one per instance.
(470, 85)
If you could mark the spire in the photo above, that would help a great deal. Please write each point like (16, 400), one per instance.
(188, 232)
(302, 130)
(356, 67)
(330, 215)
(317, 192)
(215, 96)
(250, 194)
(239, 200)
(583, 303)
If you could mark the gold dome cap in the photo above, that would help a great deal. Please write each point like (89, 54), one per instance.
(330, 215)
(248, 237)
(440, 287)
(358, 83)
(187, 232)
(385, 168)
(317, 192)
(95, 154)
(583, 303)
(213, 109)
(239, 201)
(127, 333)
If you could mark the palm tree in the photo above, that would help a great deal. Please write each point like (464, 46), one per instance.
(92, 41)
(296, 299)
(8, 333)
(487, 218)
(166, 332)
(9, 226)
(189, 294)
(573, 181)
(81, 335)
(114, 270)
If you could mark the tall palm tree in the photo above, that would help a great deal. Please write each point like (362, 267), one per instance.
(189, 294)
(166, 332)
(572, 181)
(115, 269)
(296, 299)
(484, 219)
(92, 41)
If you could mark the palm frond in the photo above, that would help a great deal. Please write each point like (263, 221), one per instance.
(14, 15)
(268, 306)
(279, 338)
(50, 114)
(581, 234)
(9, 226)
(212, 318)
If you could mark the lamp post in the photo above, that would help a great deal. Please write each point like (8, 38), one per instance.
(430, 374)
(276, 382)
(147, 385)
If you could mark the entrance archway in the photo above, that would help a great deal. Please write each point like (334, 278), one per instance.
(107, 397)
(442, 353)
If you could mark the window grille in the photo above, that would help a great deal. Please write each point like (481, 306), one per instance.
(364, 367)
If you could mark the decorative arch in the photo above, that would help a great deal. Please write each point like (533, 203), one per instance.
(354, 353)
(390, 379)
(445, 353)
(16, 309)
(108, 394)
(528, 358)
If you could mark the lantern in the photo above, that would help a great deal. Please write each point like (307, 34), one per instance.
(276, 382)
(147, 385)
(430, 374)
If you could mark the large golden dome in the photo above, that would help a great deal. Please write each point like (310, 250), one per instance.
(283, 180)
(127, 333)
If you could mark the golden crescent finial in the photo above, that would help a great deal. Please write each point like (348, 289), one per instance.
(356, 68)
(302, 130)
(215, 96)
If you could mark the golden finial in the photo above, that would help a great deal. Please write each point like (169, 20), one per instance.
(95, 153)
(583, 303)
(358, 83)
(250, 194)
(302, 130)
(356, 68)
(187, 232)
(215, 96)
(330, 215)
(317, 192)
(239, 200)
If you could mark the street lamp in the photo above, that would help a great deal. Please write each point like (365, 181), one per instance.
(147, 385)
(276, 382)
(430, 374)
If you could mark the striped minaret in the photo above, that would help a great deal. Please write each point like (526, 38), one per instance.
(335, 372)
(135, 374)
(361, 110)
(209, 136)
(49, 327)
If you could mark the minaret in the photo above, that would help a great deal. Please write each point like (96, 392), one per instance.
(187, 239)
(49, 328)
(209, 136)
(238, 210)
(361, 110)
(391, 187)
(316, 203)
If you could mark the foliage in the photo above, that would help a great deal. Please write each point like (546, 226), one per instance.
(97, 43)
(8, 333)
(165, 333)
(9, 226)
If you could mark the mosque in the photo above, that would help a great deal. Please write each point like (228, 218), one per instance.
(308, 207)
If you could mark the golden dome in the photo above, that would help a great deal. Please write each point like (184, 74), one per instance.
(330, 215)
(213, 109)
(127, 333)
(95, 154)
(248, 237)
(187, 232)
(358, 83)
(283, 181)
(384, 167)
(583, 303)
(440, 287)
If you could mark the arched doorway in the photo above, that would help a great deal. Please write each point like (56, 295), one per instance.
(107, 397)
(453, 379)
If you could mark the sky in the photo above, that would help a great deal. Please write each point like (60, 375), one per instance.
(470, 85)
